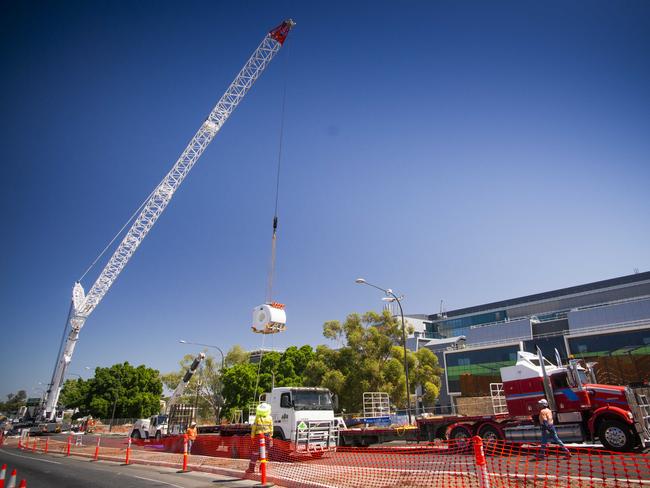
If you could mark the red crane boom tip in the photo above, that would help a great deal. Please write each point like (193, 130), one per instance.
(280, 32)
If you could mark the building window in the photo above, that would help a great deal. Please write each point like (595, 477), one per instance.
(470, 372)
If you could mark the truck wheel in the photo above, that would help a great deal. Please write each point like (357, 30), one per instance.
(460, 437)
(136, 435)
(491, 437)
(158, 437)
(616, 436)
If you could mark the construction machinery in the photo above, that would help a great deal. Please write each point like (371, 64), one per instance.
(304, 416)
(83, 304)
(584, 410)
(176, 418)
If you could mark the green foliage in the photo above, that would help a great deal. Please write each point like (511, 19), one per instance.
(14, 402)
(279, 369)
(133, 391)
(239, 386)
(236, 355)
(370, 361)
(74, 393)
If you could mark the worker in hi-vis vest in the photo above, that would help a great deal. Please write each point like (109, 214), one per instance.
(263, 425)
(191, 436)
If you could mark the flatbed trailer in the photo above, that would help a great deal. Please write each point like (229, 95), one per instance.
(367, 436)
(428, 429)
(225, 429)
(450, 427)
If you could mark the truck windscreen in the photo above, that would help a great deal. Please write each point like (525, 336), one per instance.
(311, 400)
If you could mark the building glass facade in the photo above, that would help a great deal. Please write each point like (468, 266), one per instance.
(461, 325)
(621, 357)
(475, 369)
(607, 322)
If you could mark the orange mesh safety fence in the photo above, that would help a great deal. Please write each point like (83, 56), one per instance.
(445, 464)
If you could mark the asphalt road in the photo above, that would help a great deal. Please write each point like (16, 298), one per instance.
(41, 470)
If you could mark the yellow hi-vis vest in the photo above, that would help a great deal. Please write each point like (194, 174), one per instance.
(262, 425)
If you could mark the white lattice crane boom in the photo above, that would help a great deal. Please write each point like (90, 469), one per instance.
(84, 304)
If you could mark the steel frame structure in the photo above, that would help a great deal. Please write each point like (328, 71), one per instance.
(84, 304)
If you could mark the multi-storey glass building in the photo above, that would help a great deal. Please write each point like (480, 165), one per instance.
(607, 322)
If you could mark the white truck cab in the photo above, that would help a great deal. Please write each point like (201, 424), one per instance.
(304, 416)
(155, 426)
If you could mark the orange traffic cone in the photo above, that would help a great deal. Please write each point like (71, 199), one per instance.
(3, 473)
(23, 484)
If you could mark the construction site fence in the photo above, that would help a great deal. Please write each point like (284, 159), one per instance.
(462, 463)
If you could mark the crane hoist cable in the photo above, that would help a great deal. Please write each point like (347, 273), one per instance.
(271, 328)
(270, 317)
(269, 290)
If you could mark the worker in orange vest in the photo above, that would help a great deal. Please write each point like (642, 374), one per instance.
(191, 436)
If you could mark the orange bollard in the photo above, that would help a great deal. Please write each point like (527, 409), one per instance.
(68, 448)
(96, 457)
(185, 455)
(263, 459)
(3, 473)
(47, 441)
(481, 463)
(23, 484)
(128, 451)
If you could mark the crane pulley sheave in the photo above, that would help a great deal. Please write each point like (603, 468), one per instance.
(84, 304)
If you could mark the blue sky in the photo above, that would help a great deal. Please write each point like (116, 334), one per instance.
(458, 150)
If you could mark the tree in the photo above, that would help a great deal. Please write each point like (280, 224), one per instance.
(370, 361)
(74, 394)
(14, 402)
(244, 382)
(133, 391)
(236, 355)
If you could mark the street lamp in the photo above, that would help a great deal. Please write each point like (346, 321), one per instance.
(223, 360)
(223, 365)
(397, 299)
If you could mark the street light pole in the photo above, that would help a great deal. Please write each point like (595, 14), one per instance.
(223, 365)
(389, 292)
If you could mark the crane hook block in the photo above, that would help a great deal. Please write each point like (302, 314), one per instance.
(269, 318)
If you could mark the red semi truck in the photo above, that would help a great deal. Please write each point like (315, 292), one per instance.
(617, 416)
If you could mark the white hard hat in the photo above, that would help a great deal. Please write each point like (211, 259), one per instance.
(543, 402)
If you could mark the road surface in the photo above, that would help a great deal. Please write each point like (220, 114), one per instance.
(56, 471)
